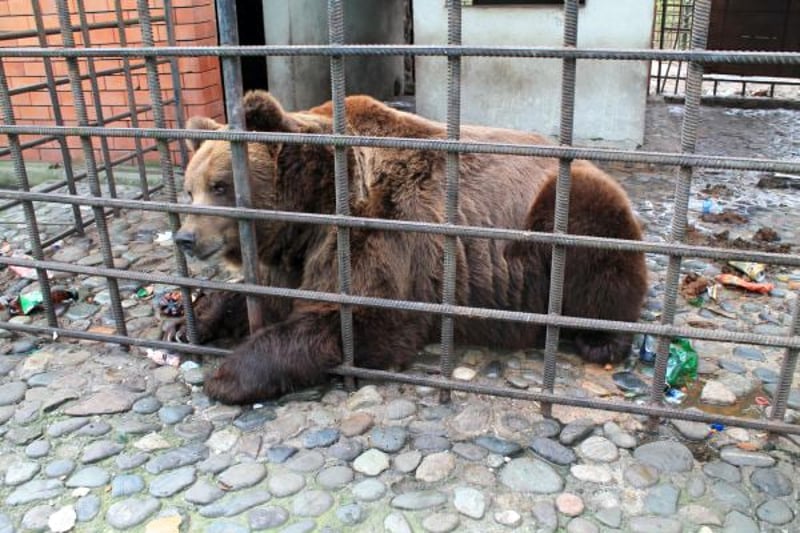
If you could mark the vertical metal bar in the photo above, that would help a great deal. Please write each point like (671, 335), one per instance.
(683, 185)
(232, 76)
(27, 205)
(131, 96)
(451, 189)
(176, 79)
(661, 44)
(66, 157)
(98, 105)
(154, 87)
(91, 165)
(563, 184)
(342, 180)
(788, 368)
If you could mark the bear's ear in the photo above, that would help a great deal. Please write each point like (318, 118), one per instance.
(262, 112)
(200, 123)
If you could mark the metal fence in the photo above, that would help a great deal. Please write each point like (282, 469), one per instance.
(685, 162)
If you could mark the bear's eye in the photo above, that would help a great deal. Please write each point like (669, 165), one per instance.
(219, 188)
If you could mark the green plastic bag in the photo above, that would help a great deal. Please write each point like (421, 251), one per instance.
(682, 363)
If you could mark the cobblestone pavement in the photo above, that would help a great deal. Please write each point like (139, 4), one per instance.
(93, 438)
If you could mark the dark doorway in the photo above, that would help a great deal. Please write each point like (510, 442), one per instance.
(250, 19)
(769, 25)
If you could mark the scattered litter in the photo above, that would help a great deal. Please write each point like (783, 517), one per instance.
(754, 271)
(144, 293)
(716, 426)
(711, 207)
(674, 396)
(701, 324)
(779, 180)
(748, 446)
(735, 281)
(629, 382)
(694, 288)
(724, 217)
(26, 272)
(171, 304)
(162, 357)
(682, 363)
(765, 234)
(761, 401)
(644, 346)
(24, 304)
(163, 238)
(189, 365)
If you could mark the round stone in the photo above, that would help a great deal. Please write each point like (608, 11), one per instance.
(508, 518)
(371, 463)
(464, 373)
(772, 482)
(146, 405)
(20, 472)
(126, 485)
(716, 393)
(62, 520)
(737, 457)
(13, 392)
(242, 475)
(334, 477)
(531, 475)
(591, 473)
(470, 502)
(267, 518)
(618, 436)
(131, 512)
(666, 456)
(388, 439)
(87, 507)
(172, 482)
(553, 451)
(35, 518)
(418, 500)
(285, 484)
(350, 514)
(203, 493)
(737, 522)
(440, 522)
(311, 503)
(581, 525)
(320, 438)
(280, 454)
(662, 500)
(641, 476)
(569, 504)
(547, 428)
(59, 467)
(722, 470)
(99, 450)
(37, 449)
(431, 443)
(89, 476)
(469, 451)
(775, 512)
(396, 523)
(254, 419)
(346, 449)
(436, 467)
(172, 414)
(129, 461)
(305, 461)
(576, 431)
(599, 449)
(369, 490)
(748, 352)
(407, 462)
(356, 424)
(399, 409)
(497, 445)
(731, 496)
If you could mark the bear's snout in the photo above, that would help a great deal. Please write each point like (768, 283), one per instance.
(185, 241)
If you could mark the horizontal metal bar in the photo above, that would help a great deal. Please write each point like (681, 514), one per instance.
(550, 52)
(67, 198)
(606, 405)
(24, 34)
(405, 305)
(586, 241)
(65, 81)
(50, 138)
(402, 143)
(762, 425)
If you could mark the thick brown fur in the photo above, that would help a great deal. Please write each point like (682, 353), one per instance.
(302, 339)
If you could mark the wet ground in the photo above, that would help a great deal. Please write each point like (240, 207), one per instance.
(97, 439)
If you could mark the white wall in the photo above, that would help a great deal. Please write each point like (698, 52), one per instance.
(525, 93)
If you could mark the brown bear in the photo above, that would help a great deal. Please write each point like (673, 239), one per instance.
(302, 338)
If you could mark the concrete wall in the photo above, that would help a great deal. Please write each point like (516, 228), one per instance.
(525, 93)
(301, 82)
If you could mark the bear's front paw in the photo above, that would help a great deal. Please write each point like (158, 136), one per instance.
(226, 385)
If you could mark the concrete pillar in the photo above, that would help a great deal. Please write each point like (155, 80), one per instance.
(304, 81)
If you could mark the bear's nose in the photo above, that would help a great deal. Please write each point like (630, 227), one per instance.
(185, 241)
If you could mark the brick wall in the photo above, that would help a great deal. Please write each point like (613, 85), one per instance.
(201, 87)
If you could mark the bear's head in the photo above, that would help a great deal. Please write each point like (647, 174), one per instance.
(286, 177)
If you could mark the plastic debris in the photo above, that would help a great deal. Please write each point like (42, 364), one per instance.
(716, 426)
(644, 346)
(25, 304)
(629, 382)
(682, 363)
(189, 365)
(761, 401)
(144, 293)
(164, 238)
(695, 288)
(754, 271)
(711, 207)
(171, 304)
(162, 357)
(735, 281)
(674, 396)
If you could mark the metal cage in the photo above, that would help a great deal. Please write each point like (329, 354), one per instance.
(150, 58)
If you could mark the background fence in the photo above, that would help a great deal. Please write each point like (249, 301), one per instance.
(81, 61)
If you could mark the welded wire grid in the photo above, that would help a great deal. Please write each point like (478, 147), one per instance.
(686, 160)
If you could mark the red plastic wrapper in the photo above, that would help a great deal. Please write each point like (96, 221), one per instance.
(735, 281)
